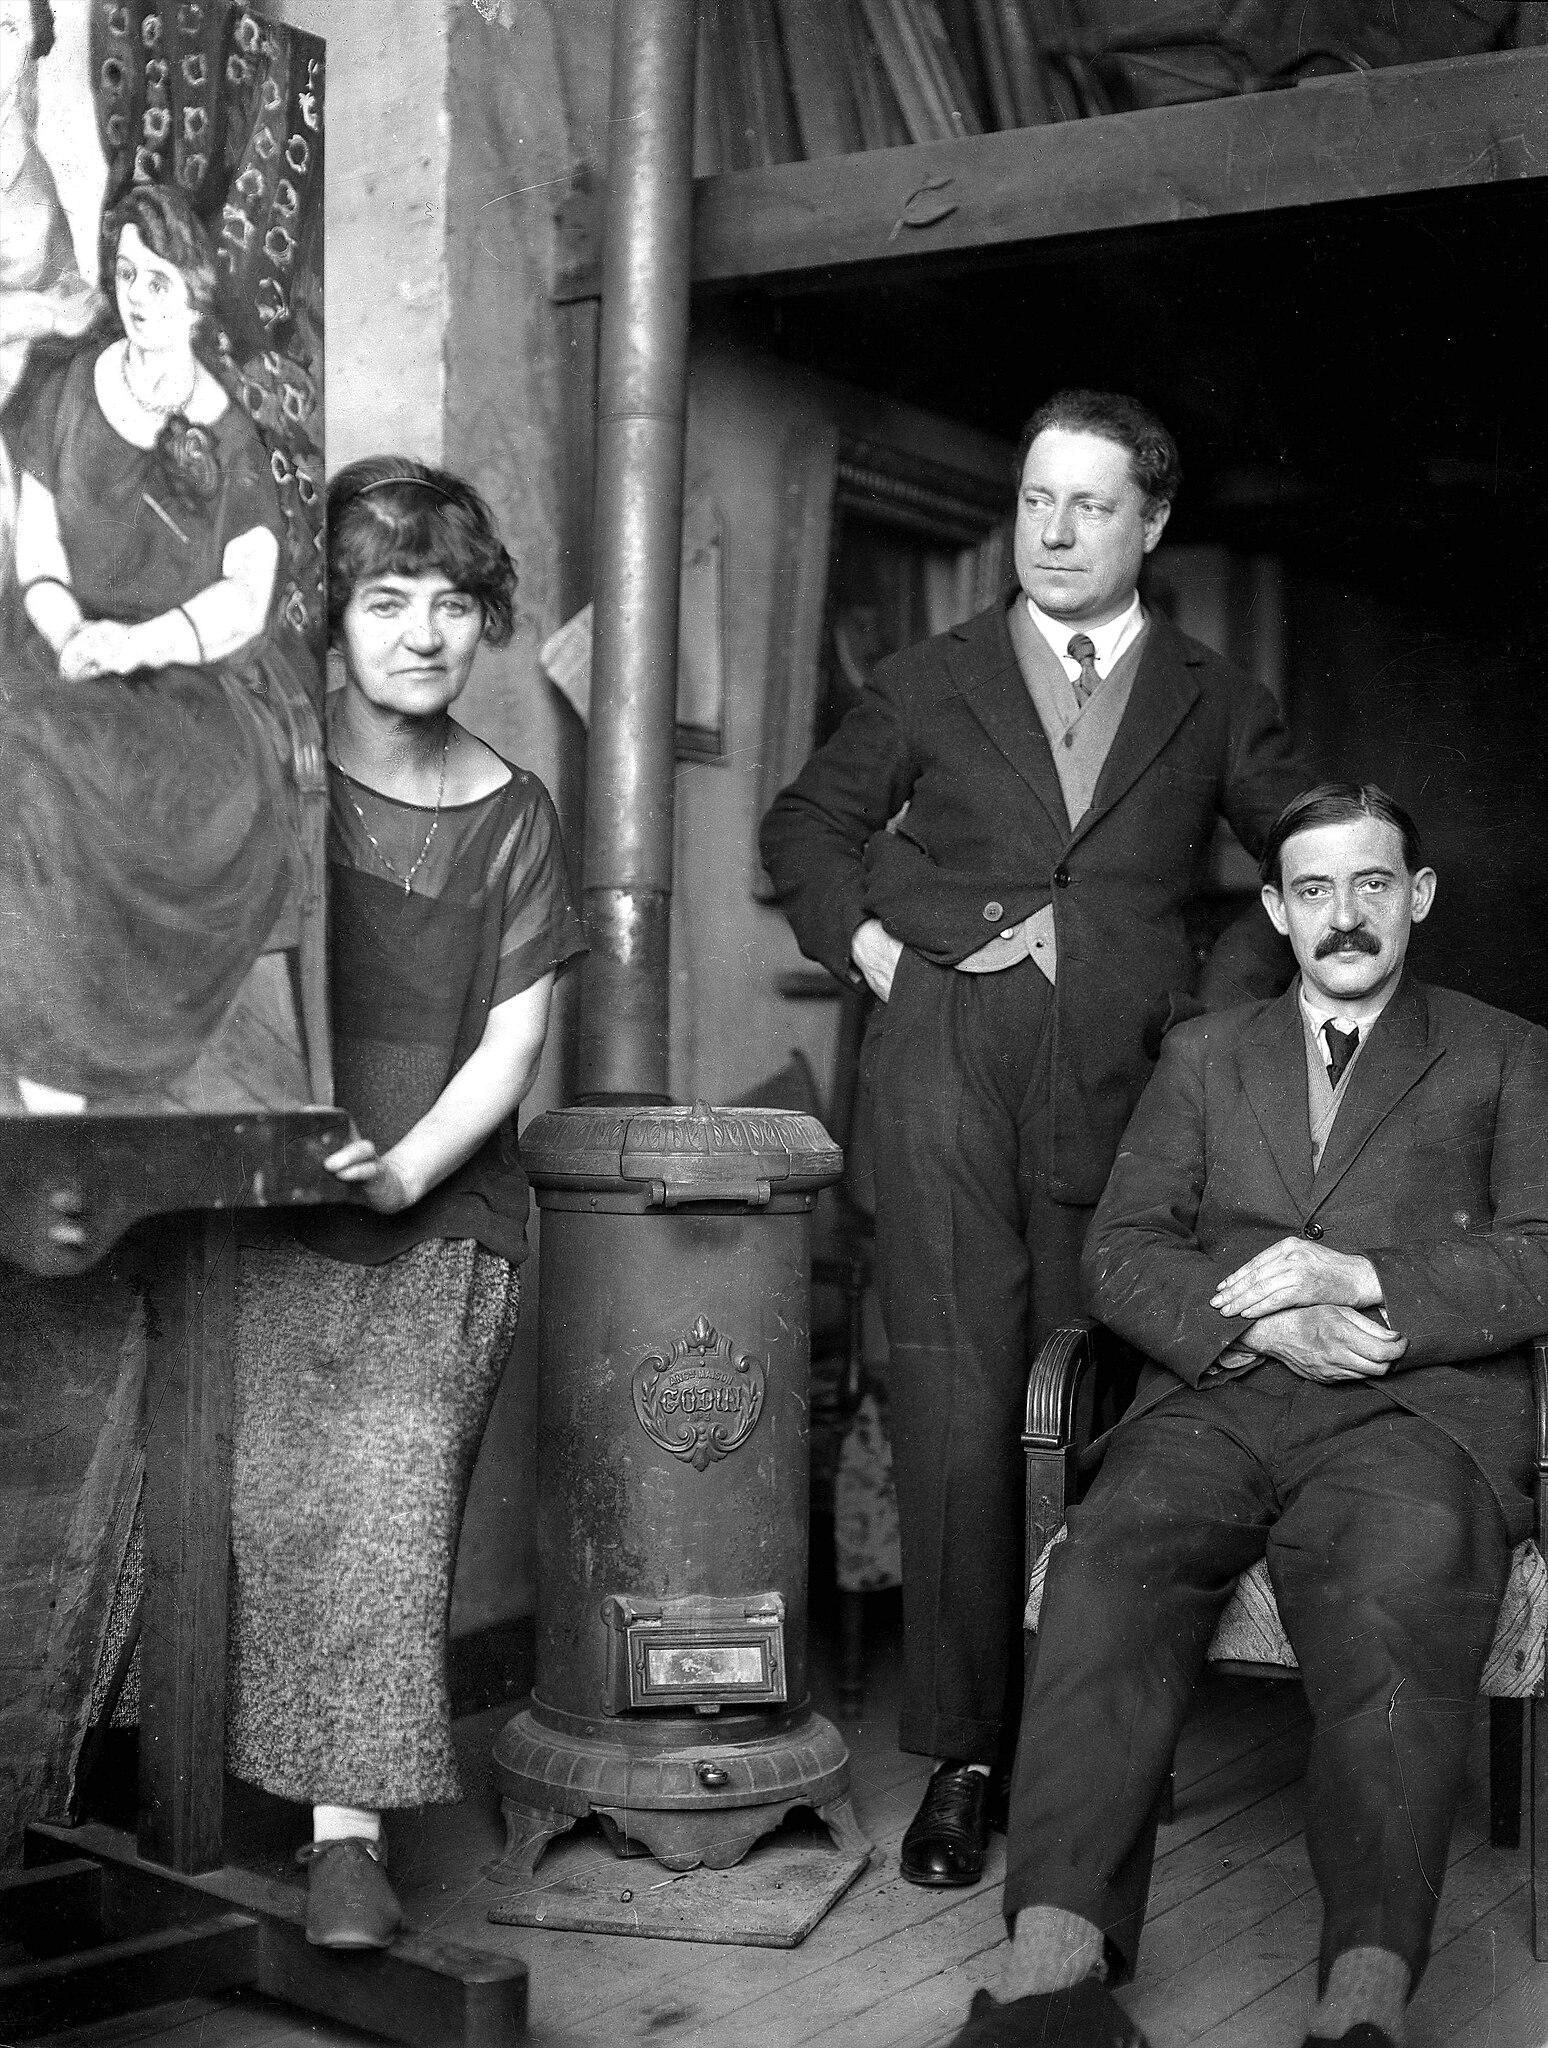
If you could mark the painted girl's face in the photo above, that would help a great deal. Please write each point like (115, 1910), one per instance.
(152, 295)
(409, 642)
(15, 43)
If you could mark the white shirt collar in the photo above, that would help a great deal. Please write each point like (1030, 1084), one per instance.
(1109, 641)
(1318, 1013)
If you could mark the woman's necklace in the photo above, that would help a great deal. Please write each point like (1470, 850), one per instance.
(155, 410)
(440, 791)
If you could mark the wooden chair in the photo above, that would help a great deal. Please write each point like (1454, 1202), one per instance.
(1250, 1639)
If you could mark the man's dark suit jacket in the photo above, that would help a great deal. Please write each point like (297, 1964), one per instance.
(1436, 1169)
(949, 728)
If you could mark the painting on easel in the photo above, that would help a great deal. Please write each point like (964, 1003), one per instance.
(162, 618)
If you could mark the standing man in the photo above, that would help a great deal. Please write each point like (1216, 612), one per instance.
(1062, 758)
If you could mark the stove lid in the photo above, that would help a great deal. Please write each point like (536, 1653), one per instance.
(694, 1154)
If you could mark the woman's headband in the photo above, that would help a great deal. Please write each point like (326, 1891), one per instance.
(422, 483)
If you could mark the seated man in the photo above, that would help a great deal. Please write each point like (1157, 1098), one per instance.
(1328, 1229)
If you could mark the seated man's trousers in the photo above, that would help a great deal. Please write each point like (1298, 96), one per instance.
(1388, 1553)
(976, 1263)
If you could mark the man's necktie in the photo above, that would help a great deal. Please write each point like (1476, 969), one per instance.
(1341, 1048)
(1082, 648)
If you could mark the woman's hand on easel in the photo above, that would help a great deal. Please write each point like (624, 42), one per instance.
(372, 1179)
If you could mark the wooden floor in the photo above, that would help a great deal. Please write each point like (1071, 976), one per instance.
(1228, 1957)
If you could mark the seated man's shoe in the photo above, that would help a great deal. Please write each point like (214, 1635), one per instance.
(1366, 2035)
(946, 1839)
(1086, 2016)
(349, 1903)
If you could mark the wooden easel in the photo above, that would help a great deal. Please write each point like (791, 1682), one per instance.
(111, 1920)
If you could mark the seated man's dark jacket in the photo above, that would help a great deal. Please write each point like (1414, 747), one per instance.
(1436, 1169)
(949, 728)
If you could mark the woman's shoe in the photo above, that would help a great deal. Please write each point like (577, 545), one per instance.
(349, 1903)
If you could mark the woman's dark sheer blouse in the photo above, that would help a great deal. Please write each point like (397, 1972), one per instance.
(413, 978)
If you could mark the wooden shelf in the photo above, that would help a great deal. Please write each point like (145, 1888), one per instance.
(111, 1171)
(1468, 122)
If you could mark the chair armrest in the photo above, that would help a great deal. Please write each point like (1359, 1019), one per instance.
(1063, 1362)
(1064, 1359)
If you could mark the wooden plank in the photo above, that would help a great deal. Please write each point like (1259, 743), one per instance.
(1515, 2016)
(1471, 1965)
(108, 1172)
(425, 1989)
(1204, 1969)
(43, 1908)
(874, 1976)
(210, 1955)
(877, 1963)
(1480, 1948)
(1363, 135)
(430, 1994)
(1244, 1833)
(194, 2022)
(881, 1919)
(191, 1334)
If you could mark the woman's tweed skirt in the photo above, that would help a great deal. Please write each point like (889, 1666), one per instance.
(361, 1396)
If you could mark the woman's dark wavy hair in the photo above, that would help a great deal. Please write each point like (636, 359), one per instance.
(392, 516)
(1334, 803)
(170, 229)
(1152, 451)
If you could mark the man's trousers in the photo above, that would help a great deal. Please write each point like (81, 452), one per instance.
(975, 1265)
(1388, 1554)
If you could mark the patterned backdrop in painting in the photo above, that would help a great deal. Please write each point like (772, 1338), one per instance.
(213, 98)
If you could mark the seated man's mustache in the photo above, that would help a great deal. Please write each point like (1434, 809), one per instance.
(1357, 941)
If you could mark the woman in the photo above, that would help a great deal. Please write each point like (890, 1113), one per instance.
(151, 829)
(368, 1356)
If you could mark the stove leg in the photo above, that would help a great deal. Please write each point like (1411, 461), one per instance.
(528, 1832)
(622, 1844)
(838, 1817)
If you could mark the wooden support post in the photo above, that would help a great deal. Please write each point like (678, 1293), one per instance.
(1505, 1726)
(1537, 1763)
(187, 1543)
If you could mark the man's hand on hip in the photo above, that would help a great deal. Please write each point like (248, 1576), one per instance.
(1327, 1344)
(1295, 1273)
(876, 953)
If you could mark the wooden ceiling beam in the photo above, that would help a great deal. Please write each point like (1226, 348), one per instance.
(1467, 122)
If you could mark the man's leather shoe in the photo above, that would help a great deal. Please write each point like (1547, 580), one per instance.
(946, 1839)
(349, 1903)
(1087, 2016)
(1366, 2035)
